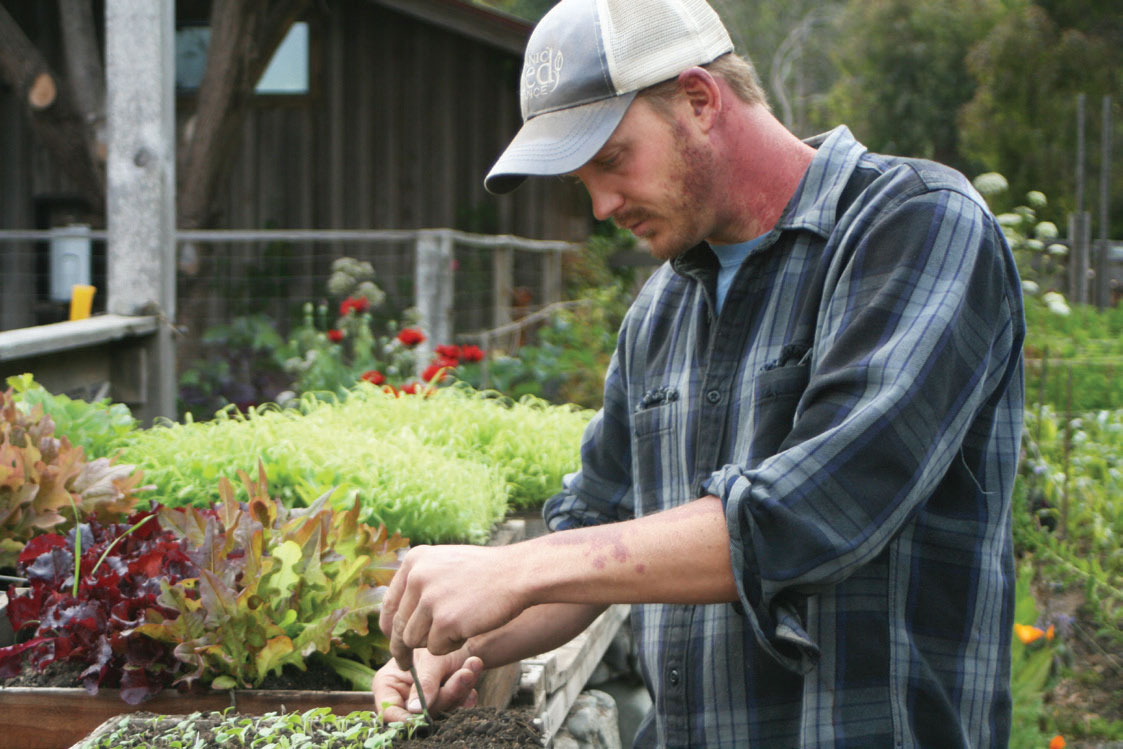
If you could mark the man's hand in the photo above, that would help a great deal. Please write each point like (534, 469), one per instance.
(448, 681)
(442, 595)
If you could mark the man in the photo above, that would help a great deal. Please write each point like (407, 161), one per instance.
(801, 475)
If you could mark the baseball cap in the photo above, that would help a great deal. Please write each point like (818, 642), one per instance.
(584, 63)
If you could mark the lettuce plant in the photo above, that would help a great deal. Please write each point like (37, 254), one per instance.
(46, 482)
(121, 568)
(274, 586)
(95, 427)
(220, 596)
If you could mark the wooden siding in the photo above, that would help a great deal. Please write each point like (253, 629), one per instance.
(404, 119)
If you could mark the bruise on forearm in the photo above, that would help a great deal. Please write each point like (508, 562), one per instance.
(645, 560)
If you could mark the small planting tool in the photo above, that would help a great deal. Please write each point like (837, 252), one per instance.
(420, 691)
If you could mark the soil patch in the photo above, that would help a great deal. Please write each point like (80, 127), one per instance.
(465, 728)
(480, 728)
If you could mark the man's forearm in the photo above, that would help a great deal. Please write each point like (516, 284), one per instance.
(535, 631)
(676, 556)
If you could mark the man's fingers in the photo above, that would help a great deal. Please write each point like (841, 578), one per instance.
(460, 688)
(388, 609)
(389, 690)
(411, 631)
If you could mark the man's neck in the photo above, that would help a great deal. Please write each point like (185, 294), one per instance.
(764, 165)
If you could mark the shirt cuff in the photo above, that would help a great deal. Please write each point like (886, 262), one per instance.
(776, 620)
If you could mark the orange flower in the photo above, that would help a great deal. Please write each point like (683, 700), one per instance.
(1049, 635)
(1028, 633)
(1058, 742)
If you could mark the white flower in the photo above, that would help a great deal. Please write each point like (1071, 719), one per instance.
(1009, 219)
(1030, 288)
(1036, 199)
(1056, 303)
(1045, 230)
(340, 283)
(1058, 249)
(991, 183)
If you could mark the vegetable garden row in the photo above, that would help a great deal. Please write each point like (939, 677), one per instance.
(220, 553)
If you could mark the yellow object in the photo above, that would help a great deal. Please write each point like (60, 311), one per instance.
(81, 300)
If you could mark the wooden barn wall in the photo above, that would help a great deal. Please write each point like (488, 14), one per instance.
(405, 123)
(402, 124)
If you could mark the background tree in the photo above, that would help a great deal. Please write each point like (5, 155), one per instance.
(903, 75)
(1022, 118)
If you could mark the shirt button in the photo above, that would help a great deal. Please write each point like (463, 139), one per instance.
(713, 396)
(674, 677)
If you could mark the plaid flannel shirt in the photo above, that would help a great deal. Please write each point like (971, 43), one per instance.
(857, 406)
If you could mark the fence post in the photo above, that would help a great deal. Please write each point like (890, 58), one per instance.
(551, 277)
(1079, 262)
(502, 282)
(140, 180)
(1103, 259)
(433, 289)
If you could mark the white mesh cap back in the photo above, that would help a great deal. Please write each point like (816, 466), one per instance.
(646, 41)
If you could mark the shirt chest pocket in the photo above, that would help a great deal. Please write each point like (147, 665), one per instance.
(659, 470)
(776, 395)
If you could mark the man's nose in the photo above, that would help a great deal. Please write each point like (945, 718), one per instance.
(605, 202)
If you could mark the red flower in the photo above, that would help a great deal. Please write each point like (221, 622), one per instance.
(410, 388)
(472, 353)
(357, 304)
(335, 335)
(374, 377)
(410, 337)
(448, 352)
(437, 370)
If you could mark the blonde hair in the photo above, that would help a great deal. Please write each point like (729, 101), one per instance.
(735, 70)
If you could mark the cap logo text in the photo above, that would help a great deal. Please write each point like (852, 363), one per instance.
(542, 72)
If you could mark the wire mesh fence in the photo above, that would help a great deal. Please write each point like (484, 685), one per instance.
(459, 283)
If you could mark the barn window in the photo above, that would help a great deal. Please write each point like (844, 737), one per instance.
(287, 74)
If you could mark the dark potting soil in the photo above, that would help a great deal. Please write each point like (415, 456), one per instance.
(465, 728)
(480, 728)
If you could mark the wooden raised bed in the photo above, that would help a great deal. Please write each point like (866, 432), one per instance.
(551, 682)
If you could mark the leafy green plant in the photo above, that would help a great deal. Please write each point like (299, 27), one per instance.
(45, 481)
(437, 469)
(319, 728)
(533, 444)
(274, 586)
(222, 595)
(95, 427)
(417, 490)
(84, 600)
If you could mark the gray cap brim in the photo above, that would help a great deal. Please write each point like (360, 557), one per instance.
(557, 142)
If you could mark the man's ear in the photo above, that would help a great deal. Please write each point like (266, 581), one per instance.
(703, 95)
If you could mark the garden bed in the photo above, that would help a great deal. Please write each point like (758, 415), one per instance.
(466, 728)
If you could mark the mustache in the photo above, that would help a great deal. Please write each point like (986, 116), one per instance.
(631, 217)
